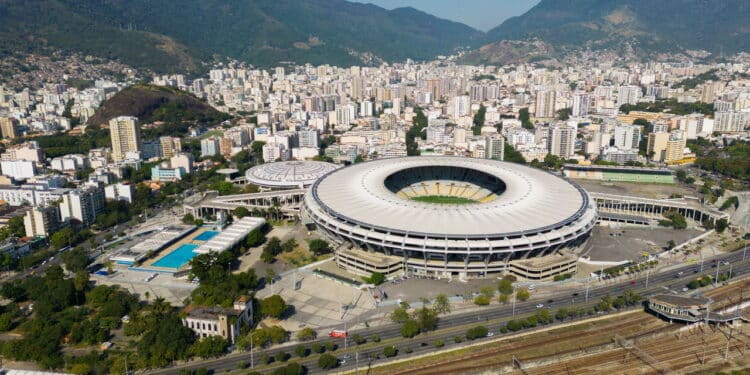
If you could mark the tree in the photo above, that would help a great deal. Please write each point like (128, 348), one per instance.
(671, 244)
(209, 347)
(63, 237)
(327, 361)
(376, 278)
(721, 225)
(426, 318)
(271, 250)
(319, 247)
(358, 339)
(318, 347)
(523, 116)
(390, 351)
(482, 300)
(241, 212)
(503, 298)
(505, 286)
(306, 334)
(188, 219)
(514, 325)
(255, 238)
(561, 314)
(289, 245)
(522, 294)
(442, 304)
(292, 368)
(410, 328)
(273, 306)
(476, 332)
(400, 315)
(75, 260)
(301, 351)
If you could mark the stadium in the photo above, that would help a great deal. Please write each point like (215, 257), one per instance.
(451, 217)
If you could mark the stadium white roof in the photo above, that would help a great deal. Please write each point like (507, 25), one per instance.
(532, 201)
(288, 174)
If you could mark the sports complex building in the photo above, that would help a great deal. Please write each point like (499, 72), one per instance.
(287, 174)
(450, 216)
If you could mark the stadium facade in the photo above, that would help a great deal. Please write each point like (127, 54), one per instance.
(450, 216)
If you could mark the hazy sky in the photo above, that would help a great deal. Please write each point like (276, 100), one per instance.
(479, 14)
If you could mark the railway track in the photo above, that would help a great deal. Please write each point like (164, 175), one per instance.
(559, 343)
(681, 352)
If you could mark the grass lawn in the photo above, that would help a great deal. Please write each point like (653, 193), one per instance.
(443, 199)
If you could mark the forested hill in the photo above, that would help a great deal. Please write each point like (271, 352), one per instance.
(179, 35)
(156, 103)
(715, 26)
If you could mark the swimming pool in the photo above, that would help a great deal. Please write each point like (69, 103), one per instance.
(178, 257)
(205, 236)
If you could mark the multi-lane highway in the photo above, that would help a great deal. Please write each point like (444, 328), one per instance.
(493, 317)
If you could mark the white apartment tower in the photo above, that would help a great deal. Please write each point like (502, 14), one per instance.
(545, 103)
(125, 134)
(561, 140)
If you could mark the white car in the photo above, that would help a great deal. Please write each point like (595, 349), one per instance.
(490, 334)
(539, 306)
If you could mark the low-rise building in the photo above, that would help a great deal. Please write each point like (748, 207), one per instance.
(219, 321)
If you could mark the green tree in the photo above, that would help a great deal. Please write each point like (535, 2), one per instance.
(271, 250)
(289, 245)
(482, 300)
(522, 294)
(390, 351)
(241, 212)
(63, 237)
(721, 225)
(273, 306)
(301, 351)
(400, 315)
(75, 260)
(476, 332)
(319, 247)
(188, 219)
(505, 286)
(442, 305)
(410, 328)
(375, 278)
(209, 347)
(523, 116)
(327, 361)
(255, 238)
(306, 334)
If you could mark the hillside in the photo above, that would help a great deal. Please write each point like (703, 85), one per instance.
(178, 35)
(646, 26)
(156, 103)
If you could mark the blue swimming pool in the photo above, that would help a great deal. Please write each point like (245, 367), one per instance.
(177, 257)
(205, 236)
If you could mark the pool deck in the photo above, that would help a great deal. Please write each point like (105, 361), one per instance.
(187, 239)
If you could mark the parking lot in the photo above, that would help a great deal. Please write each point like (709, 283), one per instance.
(630, 243)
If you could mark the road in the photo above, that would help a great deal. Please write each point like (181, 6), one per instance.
(493, 318)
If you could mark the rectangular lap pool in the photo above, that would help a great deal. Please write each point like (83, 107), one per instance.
(177, 257)
(205, 236)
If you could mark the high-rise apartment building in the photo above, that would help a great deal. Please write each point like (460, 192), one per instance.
(209, 147)
(8, 127)
(170, 146)
(41, 221)
(545, 103)
(125, 134)
(561, 140)
(83, 204)
(494, 147)
(580, 106)
(627, 137)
